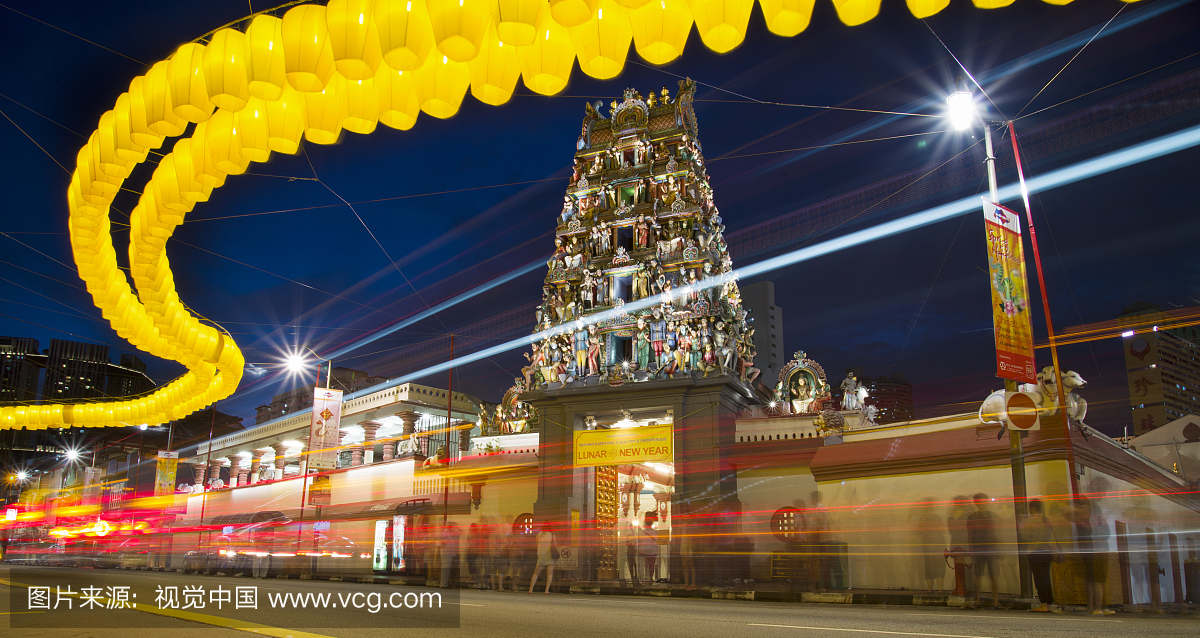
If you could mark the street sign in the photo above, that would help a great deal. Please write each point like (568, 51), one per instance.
(323, 433)
(1021, 411)
(568, 558)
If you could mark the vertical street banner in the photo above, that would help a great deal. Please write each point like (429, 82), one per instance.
(323, 434)
(164, 473)
(320, 491)
(1010, 295)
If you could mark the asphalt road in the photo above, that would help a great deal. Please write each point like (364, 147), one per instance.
(499, 615)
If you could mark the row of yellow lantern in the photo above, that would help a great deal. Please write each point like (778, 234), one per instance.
(311, 74)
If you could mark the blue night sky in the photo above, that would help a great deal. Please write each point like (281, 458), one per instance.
(277, 259)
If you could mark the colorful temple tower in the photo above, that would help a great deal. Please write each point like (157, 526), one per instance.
(634, 291)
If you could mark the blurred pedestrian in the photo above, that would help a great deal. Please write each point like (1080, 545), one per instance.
(647, 545)
(1042, 548)
(631, 551)
(931, 540)
(985, 547)
(516, 559)
(687, 560)
(546, 554)
(449, 548)
(498, 557)
(475, 553)
(1091, 538)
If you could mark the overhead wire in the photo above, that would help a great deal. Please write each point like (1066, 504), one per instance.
(73, 35)
(1077, 54)
(964, 68)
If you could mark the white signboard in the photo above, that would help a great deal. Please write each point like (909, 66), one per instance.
(323, 434)
(568, 558)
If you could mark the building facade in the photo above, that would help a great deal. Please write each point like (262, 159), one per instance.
(301, 398)
(1163, 367)
(21, 366)
(892, 397)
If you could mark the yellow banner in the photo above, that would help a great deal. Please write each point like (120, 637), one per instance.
(1010, 303)
(164, 473)
(629, 445)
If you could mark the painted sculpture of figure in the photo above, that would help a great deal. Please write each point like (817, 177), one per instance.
(602, 285)
(589, 290)
(849, 389)
(684, 349)
(801, 395)
(709, 362)
(672, 351)
(560, 252)
(593, 351)
(534, 363)
(581, 348)
(641, 283)
(569, 304)
(724, 347)
(642, 232)
(658, 336)
(746, 357)
(642, 345)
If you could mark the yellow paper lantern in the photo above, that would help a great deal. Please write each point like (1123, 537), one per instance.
(991, 4)
(286, 122)
(353, 38)
(123, 132)
(602, 43)
(660, 29)
(633, 4)
(225, 70)
(722, 23)
(789, 17)
(397, 95)
(459, 26)
(405, 35)
(441, 84)
(362, 106)
(516, 20)
(324, 111)
(205, 170)
(160, 117)
(139, 129)
(307, 55)
(185, 84)
(251, 125)
(110, 162)
(856, 12)
(190, 188)
(223, 145)
(572, 13)
(546, 64)
(265, 69)
(494, 71)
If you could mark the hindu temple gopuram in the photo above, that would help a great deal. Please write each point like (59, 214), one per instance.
(639, 224)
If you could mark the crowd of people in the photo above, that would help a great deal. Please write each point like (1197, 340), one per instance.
(485, 555)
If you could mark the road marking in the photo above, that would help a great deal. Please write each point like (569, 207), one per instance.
(1012, 617)
(465, 604)
(622, 602)
(867, 631)
(12, 613)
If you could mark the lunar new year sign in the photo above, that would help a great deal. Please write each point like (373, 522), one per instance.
(629, 445)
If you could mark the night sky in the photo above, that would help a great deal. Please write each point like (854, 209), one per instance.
(277, 259)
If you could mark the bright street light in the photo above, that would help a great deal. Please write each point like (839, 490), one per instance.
(962, 109)
(21, 476)
(296, 363)
(73, 455)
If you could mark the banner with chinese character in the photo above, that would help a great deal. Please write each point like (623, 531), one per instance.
(1010, 295)
(323, 434)
(164, 474)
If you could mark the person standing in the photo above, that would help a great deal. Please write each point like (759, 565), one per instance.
(648, 548)
(449, 553)
(689, 562)
(1090, 537)
(1038, 541)
(546, 551)
(985, 546)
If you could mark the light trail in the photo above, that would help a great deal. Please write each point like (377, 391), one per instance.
(1107, 163)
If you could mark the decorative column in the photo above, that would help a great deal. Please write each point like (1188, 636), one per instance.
(235, 470)
(199, 470)
(369, 429)
(356, 455)
(280, 459)
(214, 468)
(389, 449)
(303, 455)
(255, 463)
(409, 418)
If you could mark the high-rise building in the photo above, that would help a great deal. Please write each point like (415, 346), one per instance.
(20, 369)
(759, 299)
(75, 370)
(892, 396)
(127, 379)
(1163, 367)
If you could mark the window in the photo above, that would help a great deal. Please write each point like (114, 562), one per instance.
(787, 524)
(523, 525)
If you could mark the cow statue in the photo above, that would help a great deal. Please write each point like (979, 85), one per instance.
(1045, 395)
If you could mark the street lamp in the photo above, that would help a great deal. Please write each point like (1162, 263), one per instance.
(296, 363)
(962, 109)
